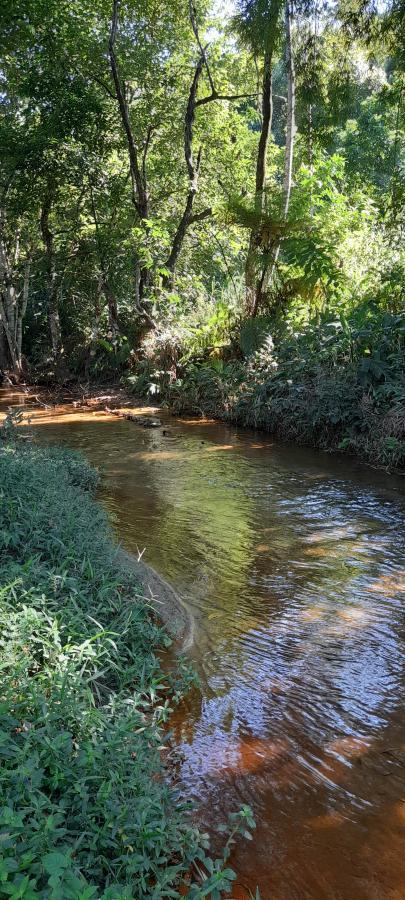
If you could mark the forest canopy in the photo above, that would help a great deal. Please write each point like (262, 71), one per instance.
(171, 172)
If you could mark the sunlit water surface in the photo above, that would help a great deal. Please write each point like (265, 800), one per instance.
(292, 564)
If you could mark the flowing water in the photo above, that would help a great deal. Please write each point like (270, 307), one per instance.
(293, 566)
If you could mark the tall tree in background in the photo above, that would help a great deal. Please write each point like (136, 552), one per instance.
(289, 147)
(126, 130)
(258, 25)
(143, 200)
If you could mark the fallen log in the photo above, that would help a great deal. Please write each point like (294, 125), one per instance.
(144, 421)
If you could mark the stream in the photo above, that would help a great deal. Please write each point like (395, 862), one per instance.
(292, 563)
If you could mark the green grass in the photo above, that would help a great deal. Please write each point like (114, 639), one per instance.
(86, 809)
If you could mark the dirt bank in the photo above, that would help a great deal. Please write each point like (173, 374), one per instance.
(170, 608)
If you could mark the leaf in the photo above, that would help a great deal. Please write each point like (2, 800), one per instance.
(54, 863)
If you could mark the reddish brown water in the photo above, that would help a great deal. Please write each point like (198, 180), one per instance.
(293, 566)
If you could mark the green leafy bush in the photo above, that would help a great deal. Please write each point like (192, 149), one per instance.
(339, 385)
(85, 808)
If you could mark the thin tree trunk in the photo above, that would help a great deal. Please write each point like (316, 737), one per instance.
(254, 271)
(23, 309)
(252, 277)
(4, 353)
(140, 190)
(11, 312)
(313, 62)
(92, 349)
(290, 134)
(104, 282)
(9, 336)
(193, 169)
(188, 217)
(52, 281)
(267, 116)
(111, 299)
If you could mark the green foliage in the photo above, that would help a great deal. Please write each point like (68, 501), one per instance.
(86, 808)
(338, 386)
(329, 253)
(206, 389)
(61, 133)
(253, 333)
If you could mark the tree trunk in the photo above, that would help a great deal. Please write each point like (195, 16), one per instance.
(252, 268)
(140, 188)
(104, 285)
(193, 169)
(137, 165)
(12, 308)
(111, 299)
(290, 135)
(23, 308)
(290, 132)
(179, 237)
(52, 282)
(4, 353)
(92, 348)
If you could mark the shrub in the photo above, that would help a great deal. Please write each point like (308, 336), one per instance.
(85, 808)
(337, 386)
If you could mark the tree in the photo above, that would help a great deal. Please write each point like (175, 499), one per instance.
(258, 24)
(140, 176)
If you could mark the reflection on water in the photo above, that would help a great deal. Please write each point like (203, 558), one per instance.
(293, 565)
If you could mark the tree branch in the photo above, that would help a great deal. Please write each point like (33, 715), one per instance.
(145, 152)
(189, 120)
(140, 193)
(216, 96)
(193, 168)
(105, 87)
(198, 217)
(193, 20)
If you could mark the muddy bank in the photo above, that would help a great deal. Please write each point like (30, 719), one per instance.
(166, 602)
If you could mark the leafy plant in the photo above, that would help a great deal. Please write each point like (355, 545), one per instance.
(87, 809)
(338, 386)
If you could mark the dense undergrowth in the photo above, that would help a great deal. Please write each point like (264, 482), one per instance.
(339, 385)
(85, 808)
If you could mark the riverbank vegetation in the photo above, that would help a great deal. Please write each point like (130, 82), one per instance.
(316, 387)
(87, 807)
(207, 203)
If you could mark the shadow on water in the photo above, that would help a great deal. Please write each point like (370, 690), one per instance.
(292, 564)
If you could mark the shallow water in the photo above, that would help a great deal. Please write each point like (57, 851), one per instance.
(293, 565)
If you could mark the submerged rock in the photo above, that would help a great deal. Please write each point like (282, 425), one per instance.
(147, 421)
(144, 421)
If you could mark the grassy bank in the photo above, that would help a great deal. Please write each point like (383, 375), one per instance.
(338, 386)
(86, 810)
